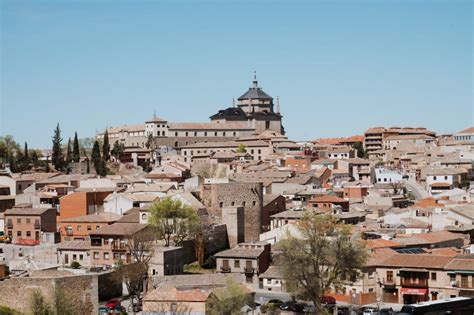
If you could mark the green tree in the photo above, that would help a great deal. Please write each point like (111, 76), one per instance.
(76, 155)
(97, 160)
(26, 154)
(320, 258)
(117, 149)
(39, 305)
(8, 147)
(69, 152)
(229, 300)
(106, 147)
(361, 152)
(242, 148)
(57, 157)
(174, 221)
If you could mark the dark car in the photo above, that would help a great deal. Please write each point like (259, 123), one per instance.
(286, 306)
(298, 307)
(274, 303)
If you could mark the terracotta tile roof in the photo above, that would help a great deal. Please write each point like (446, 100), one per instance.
(240, 253)
(194, 295)
(27, 211)
(423, 261)
(440, 185)
(229, 125)
(126, 229)
(461, 263)
(381, 243)
(105, 217)
(448, 251)
(75, 245)
(428, 238)
(468, 130)
(327, 198)
(426, 203)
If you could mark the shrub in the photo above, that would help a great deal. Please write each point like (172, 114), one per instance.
(75, 265)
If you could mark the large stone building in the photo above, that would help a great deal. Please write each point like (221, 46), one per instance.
(253, 114)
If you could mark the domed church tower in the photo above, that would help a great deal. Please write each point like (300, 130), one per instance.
(257, 107)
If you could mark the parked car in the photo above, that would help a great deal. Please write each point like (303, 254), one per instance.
(113, 303)
(327, 299)
(274, 303)
(298, 307)
(286, 306)
(386, 311)
(103, 310)
(369, 311)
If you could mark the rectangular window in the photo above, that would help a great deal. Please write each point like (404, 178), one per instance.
(433, 276)
(18, 233)
(79, 227)
(28, 220)
(237, 263)
(81, 257)
(89, 228)
(389, 276)
(96, 255)
(106, 255)
(18, 220)
(28, 233)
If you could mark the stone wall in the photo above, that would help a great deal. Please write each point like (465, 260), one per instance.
(246, 195)
(19, 291)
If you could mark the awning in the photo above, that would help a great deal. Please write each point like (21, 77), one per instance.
(413, 291)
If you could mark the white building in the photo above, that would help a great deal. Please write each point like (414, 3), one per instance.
(121, 202)
(387, 176)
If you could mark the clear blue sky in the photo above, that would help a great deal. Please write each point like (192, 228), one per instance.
(338, 67)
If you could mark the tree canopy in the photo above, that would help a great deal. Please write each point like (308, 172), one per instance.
(76, 155)
(229, 300)
(174, 221)
(320, 258)
(57, 157)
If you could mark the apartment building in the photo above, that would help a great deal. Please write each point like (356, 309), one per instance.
(79, 228)
(83, 201)
(113, 243)
(374, 137)
(247, 259)
(31, 226)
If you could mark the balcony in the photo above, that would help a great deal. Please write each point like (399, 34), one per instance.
(414, 282)
(119, 246)
(388, 281)
(225, 269)
(249, 270)
(69, 233)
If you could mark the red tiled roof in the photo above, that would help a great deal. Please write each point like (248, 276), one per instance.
(327, 198)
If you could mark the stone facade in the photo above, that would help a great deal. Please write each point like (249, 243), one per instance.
(84, 287)
(247, 195)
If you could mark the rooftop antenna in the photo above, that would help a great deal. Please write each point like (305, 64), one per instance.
(154, 113)
(233, 102)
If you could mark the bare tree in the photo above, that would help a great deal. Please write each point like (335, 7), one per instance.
(140, 246)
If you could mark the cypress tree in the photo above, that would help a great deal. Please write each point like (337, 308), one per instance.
(96, 158)
(25, 152)
(69, 152)
(106, 147)
(76, 156)
(57, 157)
